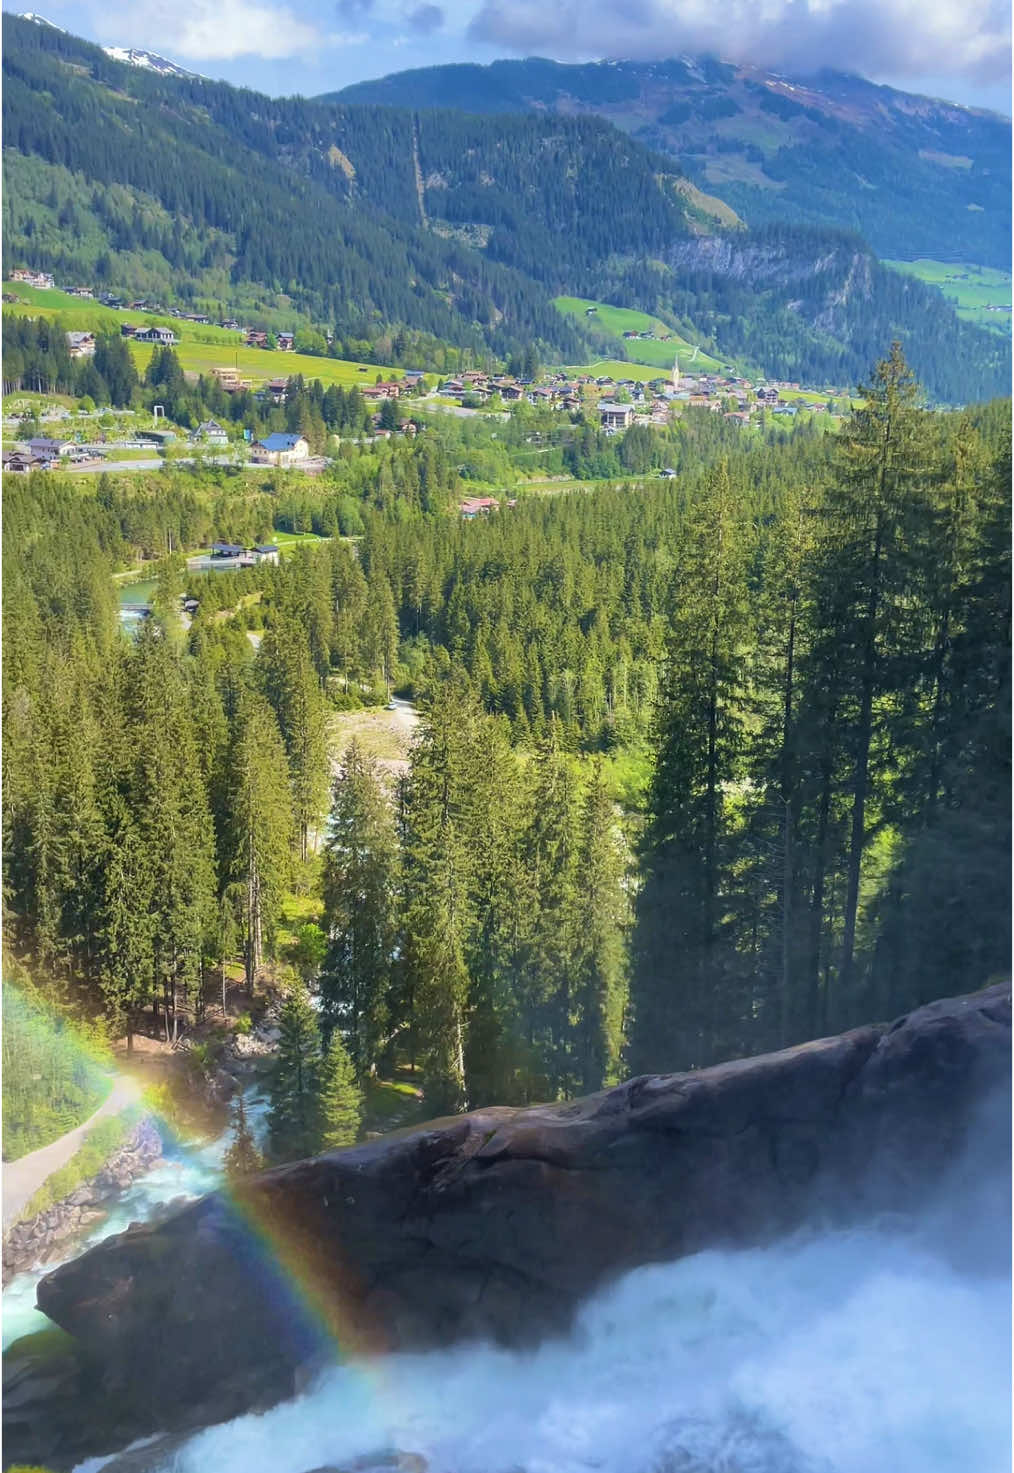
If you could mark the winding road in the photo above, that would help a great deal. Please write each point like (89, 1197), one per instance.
(23, 1178)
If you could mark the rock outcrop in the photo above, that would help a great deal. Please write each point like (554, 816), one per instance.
(498, 1223)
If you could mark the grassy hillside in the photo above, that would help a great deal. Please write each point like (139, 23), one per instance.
(201, 348)
(650, 351)
(980, 294)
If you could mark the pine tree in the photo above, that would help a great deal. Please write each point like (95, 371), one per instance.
(683, 993)
(600, 964)
(293, 690)
(242, 1157)
(360, 884)
(341, 1102)
(294, 1126)
(438, 886)
(260, 827)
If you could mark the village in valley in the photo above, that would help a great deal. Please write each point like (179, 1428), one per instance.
(614, 399)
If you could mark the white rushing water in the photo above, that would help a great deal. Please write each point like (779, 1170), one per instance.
(858, 1352)
(185, 1172)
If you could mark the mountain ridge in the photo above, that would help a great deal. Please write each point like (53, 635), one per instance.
(915, 176)
(405, 232)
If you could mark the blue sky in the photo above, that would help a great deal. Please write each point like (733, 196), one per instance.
(958, 49)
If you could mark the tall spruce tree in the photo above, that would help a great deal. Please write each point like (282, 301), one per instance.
(294, 1122)
(341, 1102)
(292, 687)
(438, 885)
(360, 894)
(242, 1157)
(684, 991)
(260, 827)
(599, 997)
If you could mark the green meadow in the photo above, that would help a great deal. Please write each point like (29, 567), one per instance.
(618, 320)
(201, 347)
(974, 290)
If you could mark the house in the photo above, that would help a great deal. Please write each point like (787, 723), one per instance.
(256, 339)
(478, 506)
(81, 344)
(265, 552)
(81, 291)
(285, 341)
(211, 432)
(279, 449)
(164, 337)
(231, 325)
(227, 549)
(127, 329)
(20, 462)
(40, 279)
(767, 396)
(277, 388)
(615, 416)
(230, 380)
(50, 449)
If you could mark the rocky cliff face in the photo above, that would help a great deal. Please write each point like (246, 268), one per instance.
(498, 1223)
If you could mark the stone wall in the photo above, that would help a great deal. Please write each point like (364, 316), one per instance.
(49, 1235)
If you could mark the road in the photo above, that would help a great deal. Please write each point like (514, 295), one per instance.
(22, 1179)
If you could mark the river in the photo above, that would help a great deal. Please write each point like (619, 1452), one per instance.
(182, 1172)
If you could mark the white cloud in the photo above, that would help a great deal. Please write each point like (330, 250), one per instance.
(209, 30)
(878, 37)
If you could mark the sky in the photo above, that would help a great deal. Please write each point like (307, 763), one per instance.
(956, 49)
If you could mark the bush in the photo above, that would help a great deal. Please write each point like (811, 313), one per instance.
(243, 1024)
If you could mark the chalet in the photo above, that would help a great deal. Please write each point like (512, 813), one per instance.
(767, 396)
(615, 416)
(127, 330)
(256, 339)
(230, 380)
(211, 432)
(265, 552)
(40, 279)
(20, 462)
(231, 325)
(701, 401)
(631, 334)
(285, 341)
(740, 416)
(279, 449)
(81, 344)
(510, 393)
(108, 300)
(163, 337)
(81, 291)
(276, 389)
(478, 506)
(388, 390)
(50, 449)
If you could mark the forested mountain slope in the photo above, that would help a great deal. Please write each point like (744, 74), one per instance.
(427, 227)
(915, 176)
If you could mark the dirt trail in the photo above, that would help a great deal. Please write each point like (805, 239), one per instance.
(23, 1178)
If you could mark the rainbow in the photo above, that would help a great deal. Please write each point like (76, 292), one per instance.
(312, 1292)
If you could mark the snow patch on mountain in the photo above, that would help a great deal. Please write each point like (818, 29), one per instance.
(149, 60)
